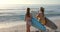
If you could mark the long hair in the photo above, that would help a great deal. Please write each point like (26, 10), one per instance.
(28, 12)
(42, 9)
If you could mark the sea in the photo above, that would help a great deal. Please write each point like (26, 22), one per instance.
(19, 11)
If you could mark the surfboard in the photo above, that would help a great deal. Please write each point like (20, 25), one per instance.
(50, 24)
(37, 24)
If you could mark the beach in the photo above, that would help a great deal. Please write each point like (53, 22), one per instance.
(20, 26)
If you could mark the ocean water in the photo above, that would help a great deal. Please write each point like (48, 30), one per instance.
(18, 15)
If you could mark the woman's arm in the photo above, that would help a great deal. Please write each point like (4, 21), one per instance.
(25, 18)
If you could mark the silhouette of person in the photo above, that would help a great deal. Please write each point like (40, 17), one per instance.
(28, 20)
(40, 16)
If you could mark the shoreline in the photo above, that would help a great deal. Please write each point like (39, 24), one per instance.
(20, 26)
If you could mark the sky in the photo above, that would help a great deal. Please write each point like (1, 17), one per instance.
(29, 1)
(8, 3)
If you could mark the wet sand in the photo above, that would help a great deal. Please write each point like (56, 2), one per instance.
(21, 26)
(15, 27)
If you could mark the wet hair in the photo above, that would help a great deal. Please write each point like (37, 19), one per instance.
(28, 12)
(42, 9)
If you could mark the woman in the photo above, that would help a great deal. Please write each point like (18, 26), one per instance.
(28, 20)
(40, 16)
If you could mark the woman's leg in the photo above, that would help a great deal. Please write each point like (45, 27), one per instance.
(28, 24)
